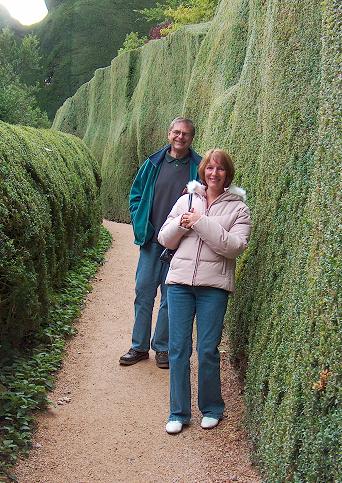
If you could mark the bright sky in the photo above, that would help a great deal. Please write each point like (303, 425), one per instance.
(26, 12)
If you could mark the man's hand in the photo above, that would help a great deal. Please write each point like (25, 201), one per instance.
(189, 218)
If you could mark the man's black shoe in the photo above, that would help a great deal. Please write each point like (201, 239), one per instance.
(132, 357)
(162, 360)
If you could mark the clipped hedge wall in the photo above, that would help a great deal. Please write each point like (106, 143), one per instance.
(49, 212)
(285, 313)
(260, 80)
(79, 36)
(122, 113)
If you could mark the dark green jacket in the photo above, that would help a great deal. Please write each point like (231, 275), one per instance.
(142, 192)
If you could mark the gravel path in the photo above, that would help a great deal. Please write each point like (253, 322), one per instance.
(107, 422)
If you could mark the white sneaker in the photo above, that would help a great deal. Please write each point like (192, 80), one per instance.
(209, 423)
(174, 427)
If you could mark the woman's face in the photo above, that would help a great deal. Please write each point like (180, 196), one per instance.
(215, 174)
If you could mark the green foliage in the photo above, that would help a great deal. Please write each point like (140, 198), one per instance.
(132, 41)
(156, 14)
(180, 13)
(26, 380)
(260, 80)
(23, 56)
(176, 14)
(78, 37)
(19, 74)
(194, 11)
(49, 212)
(138, 96)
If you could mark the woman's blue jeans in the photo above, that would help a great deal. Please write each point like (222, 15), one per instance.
(150, 275)
(209, 304)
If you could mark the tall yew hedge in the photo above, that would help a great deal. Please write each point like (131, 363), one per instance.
(49, 212)
(261, 80)
(284, 317)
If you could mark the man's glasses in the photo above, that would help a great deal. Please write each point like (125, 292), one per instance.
(178, 133)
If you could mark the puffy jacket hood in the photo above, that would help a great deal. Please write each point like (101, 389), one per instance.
(232, 192)
(235, 191)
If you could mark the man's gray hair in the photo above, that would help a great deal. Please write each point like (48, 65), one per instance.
(185, 120)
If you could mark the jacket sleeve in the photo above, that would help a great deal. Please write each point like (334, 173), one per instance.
(229, 244)
(137, 190)
(171, 232)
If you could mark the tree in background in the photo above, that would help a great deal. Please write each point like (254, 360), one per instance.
(179, 12)
(169, 17)
(132, 41)
(19, 73)
(192, 11)
(157, 31)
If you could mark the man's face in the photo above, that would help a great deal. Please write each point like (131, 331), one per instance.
(180, 137)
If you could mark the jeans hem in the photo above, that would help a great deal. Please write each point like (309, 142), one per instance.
(174, 418)
(159, 350)
(139, 350)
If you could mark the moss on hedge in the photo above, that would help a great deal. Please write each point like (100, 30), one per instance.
(261, 81)
(49, 212)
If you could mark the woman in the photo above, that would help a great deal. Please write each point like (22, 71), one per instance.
(208, 238)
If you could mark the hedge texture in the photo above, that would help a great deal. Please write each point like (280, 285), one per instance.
(261, 80)
(49, 212)
(79, 36)
(123, 113)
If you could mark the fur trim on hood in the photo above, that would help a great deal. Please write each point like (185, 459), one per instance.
(235, 190)
(196, 187)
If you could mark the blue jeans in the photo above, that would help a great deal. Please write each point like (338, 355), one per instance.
(150, 274)
(209, 305)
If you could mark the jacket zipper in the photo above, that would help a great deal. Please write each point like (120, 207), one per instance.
(198, 252)
(151, 195)
(206, 212)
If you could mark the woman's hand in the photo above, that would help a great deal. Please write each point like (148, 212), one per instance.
(189, 218)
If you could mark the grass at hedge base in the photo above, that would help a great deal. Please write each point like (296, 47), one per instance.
(25, 383)
(261, 81)
(49, 212)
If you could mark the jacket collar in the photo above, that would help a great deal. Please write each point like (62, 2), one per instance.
(233, 192)
(236, 191)
(158, 156)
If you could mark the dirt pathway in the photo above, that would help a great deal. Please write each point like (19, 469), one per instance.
(112, 428)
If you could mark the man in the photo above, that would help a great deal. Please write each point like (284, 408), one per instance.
(159, 183)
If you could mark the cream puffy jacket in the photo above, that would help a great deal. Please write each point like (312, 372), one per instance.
(206, 253)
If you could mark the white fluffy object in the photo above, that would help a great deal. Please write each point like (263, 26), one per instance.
(195, 187)
(235, 190)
